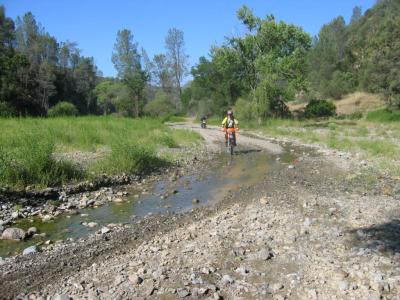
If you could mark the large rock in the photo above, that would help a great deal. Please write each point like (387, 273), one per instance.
(13, 234)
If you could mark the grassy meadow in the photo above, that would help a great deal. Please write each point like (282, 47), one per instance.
(375, 137)
(29, 148)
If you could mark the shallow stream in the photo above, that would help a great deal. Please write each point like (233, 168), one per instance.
(225, 174)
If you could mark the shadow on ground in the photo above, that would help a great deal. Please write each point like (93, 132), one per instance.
(246, 151)
(381, 238)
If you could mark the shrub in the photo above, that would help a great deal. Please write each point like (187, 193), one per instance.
(62, 109)
(319, 108)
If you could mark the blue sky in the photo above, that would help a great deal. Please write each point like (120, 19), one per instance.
(93, 24)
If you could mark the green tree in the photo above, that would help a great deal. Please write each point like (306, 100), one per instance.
(274, 62)
(161, 106)
(106, 93)
(357, 14)
(127, 62)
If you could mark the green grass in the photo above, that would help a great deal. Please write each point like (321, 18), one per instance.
(377, 142)
(27, 147)
(383, 115)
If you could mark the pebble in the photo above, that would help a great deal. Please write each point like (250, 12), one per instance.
(29, 250)
(135, 279)
(92, 224)
(227, 279)
(182, 292)
(61, 297)
(105, 230)
(343, 285)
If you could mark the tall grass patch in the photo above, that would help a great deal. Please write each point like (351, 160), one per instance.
(28, 147)
(30, 162)
(130, 157)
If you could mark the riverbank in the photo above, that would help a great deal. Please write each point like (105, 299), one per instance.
(309, 229)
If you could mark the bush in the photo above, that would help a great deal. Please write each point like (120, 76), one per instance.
(62, 109)
(6, 111)
(319, 108)
(383, 115)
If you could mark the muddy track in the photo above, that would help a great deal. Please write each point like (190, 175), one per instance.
(304, 231)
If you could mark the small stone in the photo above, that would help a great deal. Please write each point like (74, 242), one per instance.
(276, 287)
(242, 270)
(264, 200)
(29, 250)
(15, 215)
(118, 200)
(182, 293)
(105, 230)
(195, 201)
(227, 279)
(148, 288)
(135, 279)
(343, 285)
(32, 230)
(61, 297)
(291, 167)
(217, 296)
(47, 218)
(264, 254)
(92, 224)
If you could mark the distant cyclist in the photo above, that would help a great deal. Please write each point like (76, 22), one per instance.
(229, 122)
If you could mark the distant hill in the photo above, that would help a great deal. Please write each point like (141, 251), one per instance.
(361, 56)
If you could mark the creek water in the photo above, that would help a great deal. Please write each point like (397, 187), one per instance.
(225, 174)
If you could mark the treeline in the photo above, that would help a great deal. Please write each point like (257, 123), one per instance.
(257, 72)
(37, 71)
(362, 55)
(41, 76)
(274, 62)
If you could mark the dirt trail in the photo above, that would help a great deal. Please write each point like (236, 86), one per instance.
(306, 232)
(214, 139)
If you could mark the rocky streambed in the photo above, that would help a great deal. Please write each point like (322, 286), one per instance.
(304, 227)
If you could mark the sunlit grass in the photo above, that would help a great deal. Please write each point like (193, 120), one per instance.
(27, 147)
